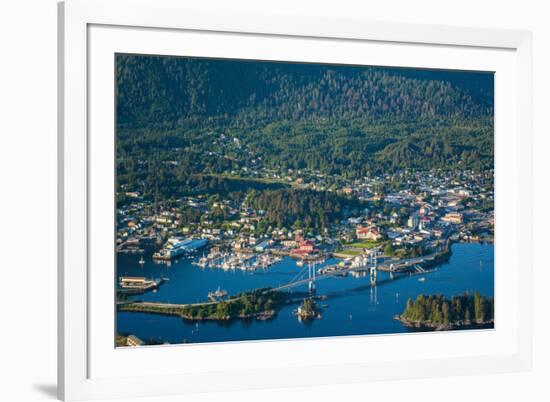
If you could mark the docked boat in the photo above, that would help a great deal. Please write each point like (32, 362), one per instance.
(138, 284)
(203, 262)
(217, 294)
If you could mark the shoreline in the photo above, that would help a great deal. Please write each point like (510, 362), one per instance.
(222, 311)
(179, 311)
(158, 310)
(452, 326)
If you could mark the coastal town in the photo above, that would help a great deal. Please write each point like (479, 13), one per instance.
(260, 200)
(406, 214)
(406, 219)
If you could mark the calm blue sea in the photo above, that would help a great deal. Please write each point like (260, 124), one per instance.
(354, 306)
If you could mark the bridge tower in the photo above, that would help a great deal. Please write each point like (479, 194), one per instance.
(374, 268)
(311, 277)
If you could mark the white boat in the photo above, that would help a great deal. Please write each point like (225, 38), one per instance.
(139, 284)
(217, 294)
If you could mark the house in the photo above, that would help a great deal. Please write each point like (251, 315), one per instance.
(393, 235)
(289, 243)
(239, 244)
(453, 217)
(413, 221)
(426, 209)
(438, 233)
(163, 219)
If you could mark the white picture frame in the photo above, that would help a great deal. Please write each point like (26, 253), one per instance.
(79, 379)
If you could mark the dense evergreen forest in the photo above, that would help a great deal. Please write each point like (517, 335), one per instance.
(436, 310)
(302, 208)
(183, 121)
(171, 91)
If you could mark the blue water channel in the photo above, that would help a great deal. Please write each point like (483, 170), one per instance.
(353, 305)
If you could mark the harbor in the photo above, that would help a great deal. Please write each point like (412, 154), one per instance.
(351, 304)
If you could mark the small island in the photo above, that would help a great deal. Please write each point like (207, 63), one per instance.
(437, 313)
(308, 310)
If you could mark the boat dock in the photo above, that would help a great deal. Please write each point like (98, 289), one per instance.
(138, 285)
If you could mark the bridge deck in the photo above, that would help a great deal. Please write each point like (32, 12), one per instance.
(398, 267)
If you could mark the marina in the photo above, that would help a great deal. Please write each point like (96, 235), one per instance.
(241, 261)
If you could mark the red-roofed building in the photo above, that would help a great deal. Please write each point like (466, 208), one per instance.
(368, 233)
(305, 247)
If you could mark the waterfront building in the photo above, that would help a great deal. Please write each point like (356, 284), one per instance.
(305, 248)
(262, 246)
(289, 243)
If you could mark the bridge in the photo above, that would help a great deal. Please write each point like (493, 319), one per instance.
(372, 266)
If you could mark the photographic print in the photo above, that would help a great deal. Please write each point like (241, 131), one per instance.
(262, 200)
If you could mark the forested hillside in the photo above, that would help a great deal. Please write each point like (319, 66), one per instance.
(335, 119)
(173, 90)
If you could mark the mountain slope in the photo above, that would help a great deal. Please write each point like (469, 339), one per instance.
(341, 120)
(152, 89)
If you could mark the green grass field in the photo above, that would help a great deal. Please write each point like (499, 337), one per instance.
(351, 252)
(368, 244)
